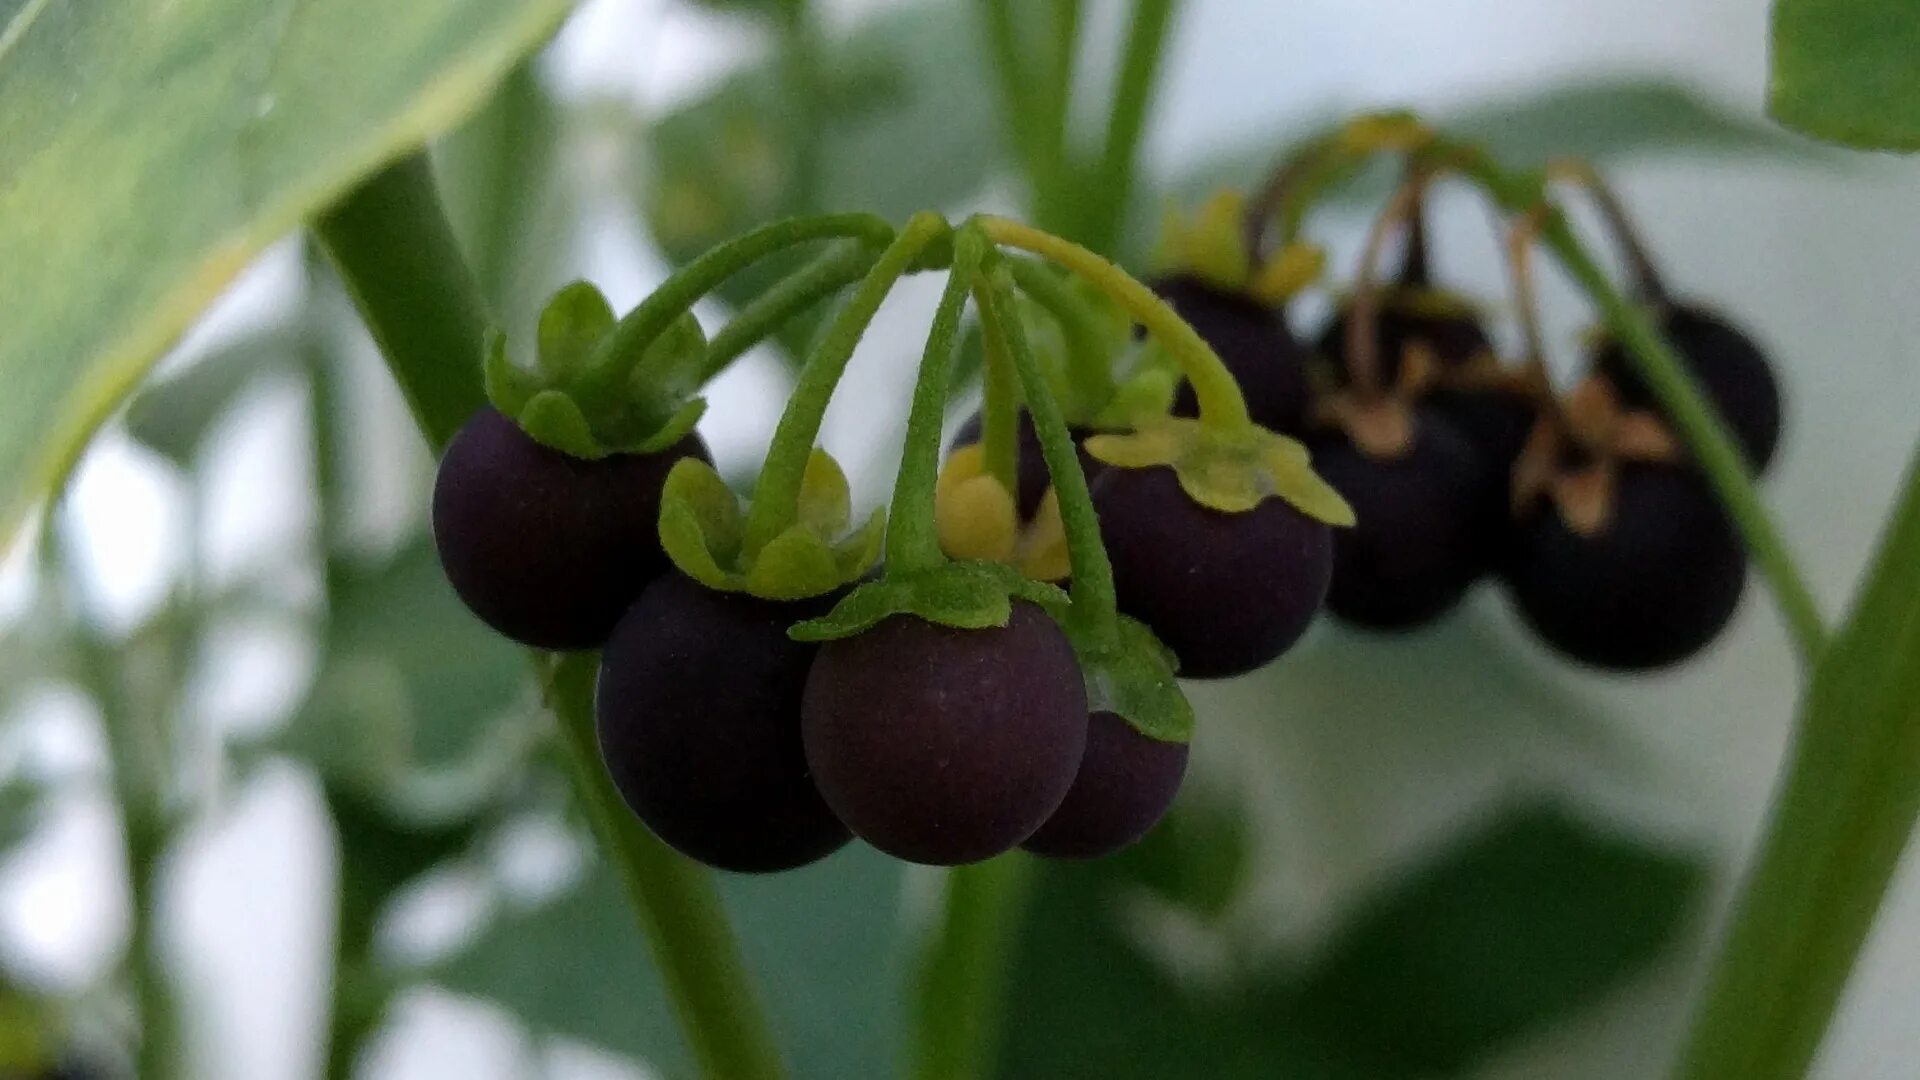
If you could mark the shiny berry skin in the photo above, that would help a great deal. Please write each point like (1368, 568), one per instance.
(1226, 592)
(698, 713)
(1732, 370)
(945, 746)
(1423, 525)
(546, 548)
(1032, 476)
(1255, 345)
(1125, 784)
(1651, 589)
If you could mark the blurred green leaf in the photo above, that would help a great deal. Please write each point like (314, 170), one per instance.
(1845, 812)
(1844, 71)
(1529, 918)
(20, 797)
(172, 417)
(383, 848)
(1198, 857)
(150, 151)
(823, 942)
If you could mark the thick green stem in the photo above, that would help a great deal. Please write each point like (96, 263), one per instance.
(1017, 102)
(1221, 406)
(1133, 95)
(847, 263)
(1089, 370)
(400, 262)
(802, 71)
(776, 499)
(609, 368)
(674, 899)
(687, 929)
(961, 975)
(1093, 595)
(1056, 201)
(913, 531)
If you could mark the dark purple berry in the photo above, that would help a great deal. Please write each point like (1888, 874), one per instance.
(1423, 526)
(1125, 784)
(546, 548)
(1253, 342)
(1454, 338)
(1651, 588)
(1032, 478)
(1226, 592)
(946, 746)
(1731, 369)
(1495, 420)
(698, 713)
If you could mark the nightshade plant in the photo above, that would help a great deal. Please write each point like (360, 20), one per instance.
(994, 663)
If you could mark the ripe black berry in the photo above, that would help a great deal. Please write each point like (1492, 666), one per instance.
(1657, 582)
(1731, 369)
(1032, 479)
(1453, 339)
(698, 713)
(946, 746)
(1226, 592)
(1125, 784)
(1253, 342)
(548, 549)
(1422, 528)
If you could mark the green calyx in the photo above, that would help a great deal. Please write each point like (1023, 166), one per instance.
(704, 531)
(552, 404)
(1129, 673)
(1231, 470)
(969, 595)
(1212, 244)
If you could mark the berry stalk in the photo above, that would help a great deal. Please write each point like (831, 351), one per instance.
(1133, 95)
(961, 974)
(1222, 408)
(845, 264)
(1089, 374)
(776, 503)
(913, 532)
(1000, 415)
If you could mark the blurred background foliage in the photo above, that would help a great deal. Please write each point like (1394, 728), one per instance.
(423, 731)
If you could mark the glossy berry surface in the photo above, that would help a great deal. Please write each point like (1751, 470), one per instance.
(1226, 592)
(1255, 345)
(946, 746)
(1032, 476)
(1423, 525)
(1731, 368)
(1125, 784)
(698, 713)
(1651, 589)
(548, 549)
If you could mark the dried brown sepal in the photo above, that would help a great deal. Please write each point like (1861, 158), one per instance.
(1574, 453)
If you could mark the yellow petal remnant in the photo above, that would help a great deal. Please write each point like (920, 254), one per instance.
(1231, 472)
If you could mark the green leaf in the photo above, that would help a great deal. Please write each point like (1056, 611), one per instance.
(500, 179)
(1843, 71)
(150, 151)
(1528, 918)
(383, 848)
(821, 941)
(1848, 802)
(173, 417)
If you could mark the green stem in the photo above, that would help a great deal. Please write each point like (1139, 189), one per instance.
(802, 70)
(776, 499)
(1089, 365)
(1056, 202)
(1093, 595)
(1221, 406)
(611, 364)
(913, 532)
(847, 263)
(1133, 95)
(687, 929)
(674, 899)
(1017, 105)
(397, 255)
(961, 975)
(1000, 416)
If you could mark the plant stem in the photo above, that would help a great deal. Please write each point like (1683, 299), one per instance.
(1017, 105)
(1221, 406)
(678, 911)
(1133, 96)
(961, 975)
(1055, 201)
(913, 532)
(687, 930)
(1093, 593)
(802, 71)
(1846, 806)
(847, 263)
(1089, 365)
(776, 499)
(397, 255)
(1000, 416)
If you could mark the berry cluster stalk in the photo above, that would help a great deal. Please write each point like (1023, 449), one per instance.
(847, 263)
(391, 244)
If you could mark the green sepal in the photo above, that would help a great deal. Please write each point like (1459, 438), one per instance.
(1229, 471)
(509, 387)
(1146, 393)
(971, 595)
(677, 427)
(553, 420)
(1131, 674)
(703, 531)
(571, 325)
